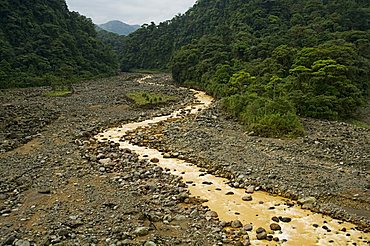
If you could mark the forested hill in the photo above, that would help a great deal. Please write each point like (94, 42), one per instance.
(119, 27)
(270, 59)
(42, 42)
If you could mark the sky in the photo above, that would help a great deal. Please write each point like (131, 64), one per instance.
(130, 11)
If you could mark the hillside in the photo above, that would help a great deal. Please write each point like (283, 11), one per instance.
(271, 60)
(119, 27)
(43, 43)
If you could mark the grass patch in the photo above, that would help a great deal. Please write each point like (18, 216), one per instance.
(142, 98)
(60, 92)
(150, 71)
(359, 123)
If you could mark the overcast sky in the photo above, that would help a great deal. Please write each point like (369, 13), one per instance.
(130, 11)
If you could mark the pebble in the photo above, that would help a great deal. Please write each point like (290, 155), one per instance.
(150, 243)
(276, 219)
(250, 189)
(247, 198)
(262, 235)
(22, 243)
(166, 155)
(236, 224)
(285, 219)
(260, 230)
(275, 227)
(141, 231)
(248, 227)
(211, 214)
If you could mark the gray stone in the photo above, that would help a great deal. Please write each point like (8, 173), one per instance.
(236, 224)
(141, 231)
(250, 189)
(262, 235)
(247, 198)
(307, 200)
(105, 161)
(179, 217)
(150, 243)
(22, 243)
(167, 218)
(260, 230)
(211, 214)
(248, 227)
(166, 155)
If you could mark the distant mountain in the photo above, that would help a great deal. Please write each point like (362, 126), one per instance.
(119, 27)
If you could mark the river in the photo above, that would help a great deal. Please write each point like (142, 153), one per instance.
(305, 228)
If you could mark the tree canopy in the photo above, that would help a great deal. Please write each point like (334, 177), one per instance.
(270, 60)
(42, 42)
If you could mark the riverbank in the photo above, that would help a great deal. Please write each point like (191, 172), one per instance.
(331, 163)
(60, 186)
(53, 189)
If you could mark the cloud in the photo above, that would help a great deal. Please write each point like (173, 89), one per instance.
(130, 11)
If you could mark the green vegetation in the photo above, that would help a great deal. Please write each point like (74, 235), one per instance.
(271, 61)
(142, 98)
(59, 92)
(360, 124)
(42, 42)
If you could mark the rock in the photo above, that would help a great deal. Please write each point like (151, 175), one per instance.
(307, 200)
(126, 242)
(167, 218)
(9, 240)
(179, 217)
(260, 230)
(141, 231)
(105, 161)
(276, 219)
(44, 190)
(275, 227)
(250, 189)
(102, 169)
(229, 193)
(3, 196)
(247, 198)
(262, 235)
(248, 227)
(150, 243)
(285, 219)
(154, 160)
(22, 243)
(236, 224)
(166, 155)
(211, 214)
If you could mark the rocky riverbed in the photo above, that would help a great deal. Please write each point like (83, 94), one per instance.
(59, 186)
(330, 164)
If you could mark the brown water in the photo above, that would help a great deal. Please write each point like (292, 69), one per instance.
(299, 231)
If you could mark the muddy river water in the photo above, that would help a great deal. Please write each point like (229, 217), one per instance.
(305, 227)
